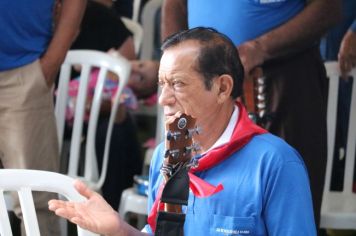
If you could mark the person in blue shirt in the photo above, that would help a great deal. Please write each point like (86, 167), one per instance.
(34, 40)
(262, 185)
(279, 38)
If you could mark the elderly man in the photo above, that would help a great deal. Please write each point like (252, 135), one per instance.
(281, 38)
(265, 183)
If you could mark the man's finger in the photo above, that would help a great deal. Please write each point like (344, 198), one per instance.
(83, 189)
(55, 204)
(67, 213)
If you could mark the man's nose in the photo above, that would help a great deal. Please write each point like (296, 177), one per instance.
(166, 96)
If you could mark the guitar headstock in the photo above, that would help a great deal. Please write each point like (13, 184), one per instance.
(179, 141)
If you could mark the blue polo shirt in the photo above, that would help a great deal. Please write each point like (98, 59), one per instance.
(266, 192)
(25, 31)
(242, 20)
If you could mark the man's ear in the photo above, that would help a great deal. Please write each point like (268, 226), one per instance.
(224, 85)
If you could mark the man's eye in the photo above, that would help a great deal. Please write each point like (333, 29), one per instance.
(177, 83)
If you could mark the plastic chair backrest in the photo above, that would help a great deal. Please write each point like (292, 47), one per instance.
(24, 182)
(136, 10)
(136, 30)
(339, 207)
(147, 52)
(149, 28)
(88, 59)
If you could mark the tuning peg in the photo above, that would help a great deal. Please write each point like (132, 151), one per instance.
(196, 147)
(261, 97)
(261, 105)
(193, 163)
(191, 132)
(173, 153)
(261, 113)
(261, 81)
(173, 135)
(193, 148)
(260, 89)
(188, 150)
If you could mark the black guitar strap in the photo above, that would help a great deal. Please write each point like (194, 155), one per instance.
(176, 191)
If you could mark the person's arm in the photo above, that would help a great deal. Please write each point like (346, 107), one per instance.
(299, 32)
(65, 31)
(94, 214)
(127, 49)
(347, 51)
(174, 17)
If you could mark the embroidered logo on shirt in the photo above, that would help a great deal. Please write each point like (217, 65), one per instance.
(232, 231)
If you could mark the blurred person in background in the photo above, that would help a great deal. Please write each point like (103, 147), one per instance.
(102, 29)
(34, 41)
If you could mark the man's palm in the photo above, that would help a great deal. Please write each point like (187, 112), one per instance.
(94, 214)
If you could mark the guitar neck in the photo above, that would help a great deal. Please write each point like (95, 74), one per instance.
(179, 149)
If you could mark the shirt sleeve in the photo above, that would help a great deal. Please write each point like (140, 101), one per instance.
(288, 203)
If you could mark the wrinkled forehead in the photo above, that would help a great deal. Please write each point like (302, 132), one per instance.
(181, 57)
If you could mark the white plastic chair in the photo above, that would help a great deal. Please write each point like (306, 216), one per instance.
(339, 208)
(149, 28)
(88, 59)
(136, 30)
(134, 203)
(149, 12)
(136, 10)
(26, 181)
(131, 201)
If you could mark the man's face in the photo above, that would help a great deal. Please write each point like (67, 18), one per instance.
(183, 88)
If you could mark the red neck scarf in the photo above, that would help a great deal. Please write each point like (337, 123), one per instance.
(243, 132)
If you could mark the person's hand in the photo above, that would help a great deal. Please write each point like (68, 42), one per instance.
(144, 77)
(49, 70)
(347, 53)
(94, 214)
(251, 55)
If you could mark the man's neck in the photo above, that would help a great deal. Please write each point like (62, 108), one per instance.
(213, 126)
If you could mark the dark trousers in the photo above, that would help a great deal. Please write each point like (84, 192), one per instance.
(125, 159)
(296, 89)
